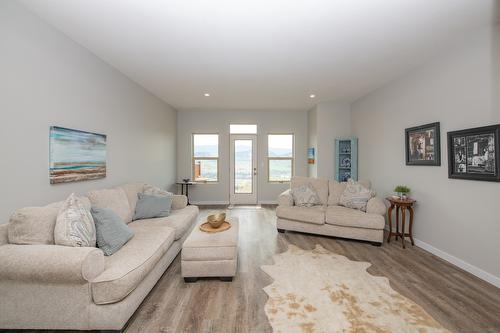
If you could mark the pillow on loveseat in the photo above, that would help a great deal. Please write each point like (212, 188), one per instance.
(305, 196)
(356, 196)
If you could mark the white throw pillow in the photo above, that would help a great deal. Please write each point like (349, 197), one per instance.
(305, 196)
(74, 225)
(153, 190)
(355, 196)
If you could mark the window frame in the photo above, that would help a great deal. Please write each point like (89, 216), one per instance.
(269, 159)
(194, 158)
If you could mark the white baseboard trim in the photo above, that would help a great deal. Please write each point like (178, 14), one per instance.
(268, 202)
(483, 275)
(209, 203)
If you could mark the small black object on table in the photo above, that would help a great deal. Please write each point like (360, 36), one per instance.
(186, 184)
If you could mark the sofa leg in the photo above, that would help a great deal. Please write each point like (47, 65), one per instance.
(281, 230)
(376, 244)
(226, 278)
(190, 279)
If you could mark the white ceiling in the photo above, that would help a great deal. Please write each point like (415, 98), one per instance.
(263, 53)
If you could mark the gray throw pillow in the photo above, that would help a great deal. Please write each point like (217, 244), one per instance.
(152, 206)
(111, 231)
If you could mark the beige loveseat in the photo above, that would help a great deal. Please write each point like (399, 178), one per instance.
(46, 286)
(330, 218)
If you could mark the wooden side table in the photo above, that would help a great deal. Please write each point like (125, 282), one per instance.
(403, 205)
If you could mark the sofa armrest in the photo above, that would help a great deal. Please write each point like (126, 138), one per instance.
(50, 263)
(4, 236)
(376, 206)
(285, 198)
(179, 201)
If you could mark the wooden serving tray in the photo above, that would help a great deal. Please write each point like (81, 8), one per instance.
(206, 227)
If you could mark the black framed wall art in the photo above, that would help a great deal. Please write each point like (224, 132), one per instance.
(473, 153)
(423, 145)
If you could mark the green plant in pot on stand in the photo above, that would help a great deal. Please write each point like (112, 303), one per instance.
(402, 191)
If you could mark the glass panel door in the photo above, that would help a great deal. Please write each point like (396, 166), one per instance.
(243, 169)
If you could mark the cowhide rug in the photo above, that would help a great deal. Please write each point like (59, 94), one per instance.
(319, 291)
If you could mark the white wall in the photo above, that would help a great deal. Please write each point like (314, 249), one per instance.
(457, 219)
(217, 121)
(326, 122)
(333, 121)
(47, 79)
(312, 141)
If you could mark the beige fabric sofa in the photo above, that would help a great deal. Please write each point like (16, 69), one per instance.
(46, 286)
(330, 218)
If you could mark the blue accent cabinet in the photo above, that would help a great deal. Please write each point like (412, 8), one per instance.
(346, 159)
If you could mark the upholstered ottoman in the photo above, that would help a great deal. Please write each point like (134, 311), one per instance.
(211, 254)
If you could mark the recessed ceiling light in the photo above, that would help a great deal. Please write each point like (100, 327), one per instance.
(206, 94)
(312, 96)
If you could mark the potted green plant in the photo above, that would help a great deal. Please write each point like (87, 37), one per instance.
(402, 191)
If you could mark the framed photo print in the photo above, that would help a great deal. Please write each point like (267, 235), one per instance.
(423, 146)
(473, 153)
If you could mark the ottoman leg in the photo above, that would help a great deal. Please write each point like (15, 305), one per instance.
(281, 230)
(226, 278)
(190, 279)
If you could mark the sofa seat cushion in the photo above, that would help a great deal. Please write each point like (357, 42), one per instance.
(180, 220)
(314, 214)
(125, 270)
(347, 217)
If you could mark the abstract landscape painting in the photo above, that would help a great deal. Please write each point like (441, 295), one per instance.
(76, 155)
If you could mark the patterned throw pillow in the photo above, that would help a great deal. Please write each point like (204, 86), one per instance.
(305, 196)
(153, 190)
(74, 225)
(356, 196)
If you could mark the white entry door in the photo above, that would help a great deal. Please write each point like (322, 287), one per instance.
(243, 169)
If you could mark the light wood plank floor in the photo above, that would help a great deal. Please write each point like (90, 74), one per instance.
(458, 300)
